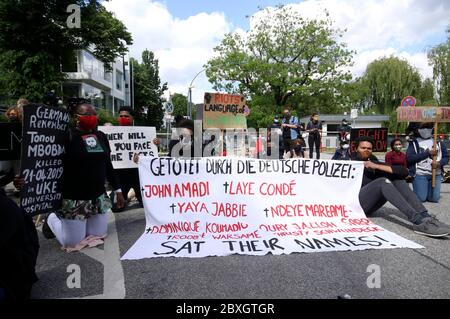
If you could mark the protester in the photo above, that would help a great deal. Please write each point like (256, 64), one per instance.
(274, 130)
(289, 126)
(314, 129)
(19, 246)
(386, 183)
(128, 177)
(13, 114)
(297, 150)
(87, 166)
(419, 156)
(396, 156)
(343, 151)
(183, 146)
(344, 130)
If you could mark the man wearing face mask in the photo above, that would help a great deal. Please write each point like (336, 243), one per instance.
(344, 129)
(419, 156)
(128, 177)
(314, 128)
(289, 126)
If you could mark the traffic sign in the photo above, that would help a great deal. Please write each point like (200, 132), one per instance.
(169, 108)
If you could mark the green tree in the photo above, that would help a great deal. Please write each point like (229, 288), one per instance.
(439, 58)
(283, 57)
(148, 90)
(180, 104)
(388, 80)
(35, 40)
(426, 94)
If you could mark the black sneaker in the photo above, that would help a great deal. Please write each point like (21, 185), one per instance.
(432, 227)
(46, 231)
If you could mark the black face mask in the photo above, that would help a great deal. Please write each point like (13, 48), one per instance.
(287, 115)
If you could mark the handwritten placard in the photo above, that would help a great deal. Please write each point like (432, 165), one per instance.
(222, 206)
(124, 141)
(224, 111)
(43, 138)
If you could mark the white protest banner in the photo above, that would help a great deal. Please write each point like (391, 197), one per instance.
(124, 141)
(222, 206)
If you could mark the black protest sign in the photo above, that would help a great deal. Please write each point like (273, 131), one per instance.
(379, 136)
(10, 139)
(44, 134)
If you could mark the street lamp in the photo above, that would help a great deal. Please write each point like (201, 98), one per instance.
(189, 113)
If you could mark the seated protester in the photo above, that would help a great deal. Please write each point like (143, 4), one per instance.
(396, 156)
(19, 246)
(383, 182)
(419, 157)
(342, 152)
(87, 166)
(297, 150)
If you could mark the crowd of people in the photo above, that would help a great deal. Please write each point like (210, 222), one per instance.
(87, 169)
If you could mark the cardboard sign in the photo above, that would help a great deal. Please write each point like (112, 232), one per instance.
(423, 114)
(10, 141)
(44, 135)
(124, 141)
(224, 111)
(222, 206)
(379, 135)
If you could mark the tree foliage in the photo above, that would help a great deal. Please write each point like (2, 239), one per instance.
(439, 58)
(35, 39)
(180, 104)
(148, 90)
(284, 56)
(388, 80)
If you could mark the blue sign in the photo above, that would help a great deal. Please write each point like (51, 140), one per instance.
(169, 107)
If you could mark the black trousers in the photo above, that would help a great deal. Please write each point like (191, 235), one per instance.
(375, 194)
(129, 178)
(314, 139)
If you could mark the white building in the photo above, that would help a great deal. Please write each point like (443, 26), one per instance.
(88, 78)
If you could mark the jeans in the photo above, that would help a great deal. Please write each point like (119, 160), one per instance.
(422, 188)
(375, 194)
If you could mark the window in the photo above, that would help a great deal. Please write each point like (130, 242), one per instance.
(119, 80)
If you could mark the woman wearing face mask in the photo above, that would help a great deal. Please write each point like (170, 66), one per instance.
(314, 129)
(87, 165)
(343, 152)
(396, 156)
(419, 157)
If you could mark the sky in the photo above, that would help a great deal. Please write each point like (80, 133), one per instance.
(183, 33)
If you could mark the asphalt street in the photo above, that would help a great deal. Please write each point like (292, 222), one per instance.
(405, 273)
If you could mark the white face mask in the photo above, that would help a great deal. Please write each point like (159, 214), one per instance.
(425, 133)
(345, 146)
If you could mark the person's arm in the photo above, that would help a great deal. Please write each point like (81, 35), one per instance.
(412, 157)
(444, 158)
(336, 155)
(397, 171)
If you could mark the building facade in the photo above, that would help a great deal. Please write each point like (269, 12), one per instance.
(88, 78)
